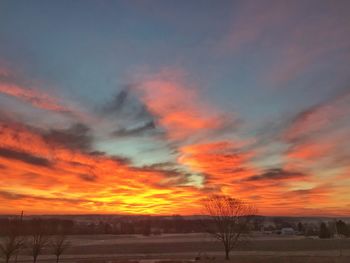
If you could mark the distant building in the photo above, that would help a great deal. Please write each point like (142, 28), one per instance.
(156, 231)
(287, 231)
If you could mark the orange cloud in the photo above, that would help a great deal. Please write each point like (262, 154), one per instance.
(231, 171)
(177, 106)
(41, 178)
(310, 151)
(319, 132)
(46, 170)
(319, 118)
(223, 163)
(220, 161)
(315, 140)
(185, 116)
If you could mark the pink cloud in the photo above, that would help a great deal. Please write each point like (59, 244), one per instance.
(33, 97)
(178, 107)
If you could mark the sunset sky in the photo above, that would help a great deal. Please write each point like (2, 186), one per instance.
(146, 107)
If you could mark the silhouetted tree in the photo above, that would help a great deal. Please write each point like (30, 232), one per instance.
(230, 218)
(258, 223)
(324, 231)
(146, 227)
(10, 245)
(342, 228)
(60, 244)
(39, 239)
(12, 241)
(301, 227)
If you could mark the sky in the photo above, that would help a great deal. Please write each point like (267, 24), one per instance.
(147, 107)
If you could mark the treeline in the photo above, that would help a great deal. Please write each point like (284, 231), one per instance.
(118, 226)
(150, 226)
(29, 226)
(325, 229)
(322, 229)
(169, 225)
(143, 226)
(338, 228)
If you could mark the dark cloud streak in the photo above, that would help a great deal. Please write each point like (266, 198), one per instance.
(24, 157)
(76, 137)
(276, 174)
(117, 104)
(88, 177)
(138, 131)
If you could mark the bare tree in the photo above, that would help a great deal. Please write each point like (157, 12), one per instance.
(10, 245)
(39, 239)
(59, 244)
(12, 241)
(230, 218)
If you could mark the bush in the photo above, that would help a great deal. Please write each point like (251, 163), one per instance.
(324, 231)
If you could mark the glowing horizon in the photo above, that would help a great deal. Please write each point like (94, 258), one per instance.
(134, 108)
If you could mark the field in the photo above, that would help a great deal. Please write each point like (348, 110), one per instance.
(182, 247)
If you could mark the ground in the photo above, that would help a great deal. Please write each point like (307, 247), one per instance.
(182, 247)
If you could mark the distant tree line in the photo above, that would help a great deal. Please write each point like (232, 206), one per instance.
(144, 226)
(338, 228)
(330, 229)
(29, 226)
(158, 225)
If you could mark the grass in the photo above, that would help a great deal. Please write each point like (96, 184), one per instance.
(131, 249)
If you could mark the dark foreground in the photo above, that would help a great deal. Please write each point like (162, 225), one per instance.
(185, 248)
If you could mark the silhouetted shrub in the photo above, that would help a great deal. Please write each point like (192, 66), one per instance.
(324, 231)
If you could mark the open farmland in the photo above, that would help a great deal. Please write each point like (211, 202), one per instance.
(103, 248)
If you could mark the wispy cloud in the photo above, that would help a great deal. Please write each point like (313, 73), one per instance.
(15, 86)
(297, 41)
(317, 135)
(33, 97)
(177, 106)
